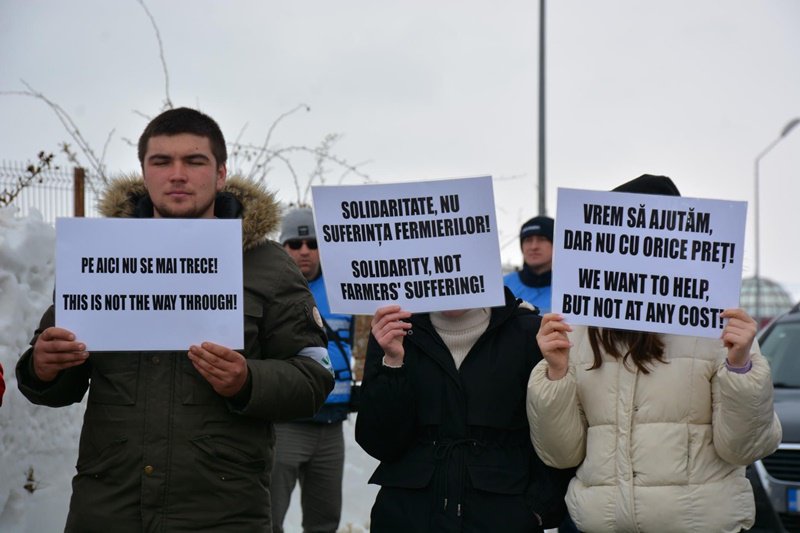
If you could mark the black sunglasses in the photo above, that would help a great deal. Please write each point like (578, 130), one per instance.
(296, 245)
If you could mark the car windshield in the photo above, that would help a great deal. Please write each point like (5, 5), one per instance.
(781, 346)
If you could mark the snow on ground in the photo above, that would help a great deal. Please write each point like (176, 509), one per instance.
(357, 495)
(39, 445)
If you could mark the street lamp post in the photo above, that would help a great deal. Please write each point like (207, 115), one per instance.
(784, 132)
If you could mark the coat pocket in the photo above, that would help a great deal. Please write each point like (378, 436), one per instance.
(98, 464)
(223, 457)
(195, 389)
(115, 378)
(229, 478)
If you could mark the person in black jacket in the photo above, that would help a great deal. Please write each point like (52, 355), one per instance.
(444, 411)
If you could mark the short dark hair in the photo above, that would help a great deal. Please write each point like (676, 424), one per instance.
(185, 120)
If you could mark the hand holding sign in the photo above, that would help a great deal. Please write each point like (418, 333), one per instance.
(738, 336)
(55, 350)
(224, 369)
(554, 344)
(389, 329)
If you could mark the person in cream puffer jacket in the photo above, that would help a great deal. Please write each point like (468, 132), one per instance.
(661, 448)
(662, 426)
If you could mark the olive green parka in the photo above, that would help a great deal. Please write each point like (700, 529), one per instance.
(160, 450)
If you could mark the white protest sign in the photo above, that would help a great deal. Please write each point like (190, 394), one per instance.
(149, 284)
(665, 264)
(427, 246)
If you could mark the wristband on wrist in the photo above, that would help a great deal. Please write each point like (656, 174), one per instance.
(388, 365)
(739, 369)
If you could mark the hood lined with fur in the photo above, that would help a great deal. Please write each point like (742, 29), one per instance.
(127, 197)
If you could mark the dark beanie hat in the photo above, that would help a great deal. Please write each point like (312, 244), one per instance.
(537, 226)
(649, 184)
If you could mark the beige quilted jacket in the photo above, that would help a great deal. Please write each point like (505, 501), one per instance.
(659, 452)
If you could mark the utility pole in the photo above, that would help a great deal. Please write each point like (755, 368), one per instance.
(542, 158)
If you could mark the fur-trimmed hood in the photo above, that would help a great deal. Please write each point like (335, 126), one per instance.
(126, 197)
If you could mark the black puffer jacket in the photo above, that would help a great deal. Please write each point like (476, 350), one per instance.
(453, 443)
(159, 449)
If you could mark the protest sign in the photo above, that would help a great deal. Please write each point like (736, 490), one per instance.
(427, 246)
(149, 284)
(645, 262)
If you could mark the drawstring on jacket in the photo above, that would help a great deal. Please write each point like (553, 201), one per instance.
(443, 452)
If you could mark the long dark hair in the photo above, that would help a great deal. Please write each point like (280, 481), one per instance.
(641, 347)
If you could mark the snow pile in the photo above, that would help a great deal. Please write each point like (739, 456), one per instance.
(39, 445)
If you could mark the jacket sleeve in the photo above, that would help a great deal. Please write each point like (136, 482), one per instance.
(69, 386)
(745, 425)
(556, 419)
(547, 490)
(387, 413)
(2, 385)
(285, 343)
(284, 390)
(548, 485)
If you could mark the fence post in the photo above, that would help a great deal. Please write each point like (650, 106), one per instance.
(78, 176)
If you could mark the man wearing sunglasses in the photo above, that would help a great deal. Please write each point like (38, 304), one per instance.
(312, 450)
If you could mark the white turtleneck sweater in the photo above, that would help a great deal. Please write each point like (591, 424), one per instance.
(462, 332)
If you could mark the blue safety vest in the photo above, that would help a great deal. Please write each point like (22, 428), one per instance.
(537, 296)
(342, 325)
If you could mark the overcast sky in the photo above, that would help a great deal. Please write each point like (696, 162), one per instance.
(693, 89)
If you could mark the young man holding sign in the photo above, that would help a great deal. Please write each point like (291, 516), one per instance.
(660, 425)
(184, 440)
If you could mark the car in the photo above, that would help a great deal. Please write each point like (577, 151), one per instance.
(776, 478)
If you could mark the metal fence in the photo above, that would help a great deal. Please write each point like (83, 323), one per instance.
(55, 192)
